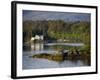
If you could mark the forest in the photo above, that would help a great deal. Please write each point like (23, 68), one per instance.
(58, 30)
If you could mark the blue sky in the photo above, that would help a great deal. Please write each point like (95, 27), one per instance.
(48, 15)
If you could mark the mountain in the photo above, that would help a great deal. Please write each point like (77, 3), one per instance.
(49, 15)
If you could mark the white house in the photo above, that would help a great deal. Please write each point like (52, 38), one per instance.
(38, 37)
(32, 38)
(41, 37)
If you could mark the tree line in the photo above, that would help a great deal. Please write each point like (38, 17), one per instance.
(58, 29)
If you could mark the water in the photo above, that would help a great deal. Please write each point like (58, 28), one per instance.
(65, 44)
(37, 63)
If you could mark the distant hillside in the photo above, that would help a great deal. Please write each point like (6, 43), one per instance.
(78, 31)
(50, 15)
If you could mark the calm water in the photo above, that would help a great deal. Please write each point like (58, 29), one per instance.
(50, 48)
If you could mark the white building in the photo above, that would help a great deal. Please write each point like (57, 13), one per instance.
(41, 37)
(38, 37)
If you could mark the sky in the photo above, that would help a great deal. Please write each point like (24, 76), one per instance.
(48, 15)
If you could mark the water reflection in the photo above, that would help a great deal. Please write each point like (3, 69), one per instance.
(51, 48)
(37, 46)
(47, 47)
(38, 63)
